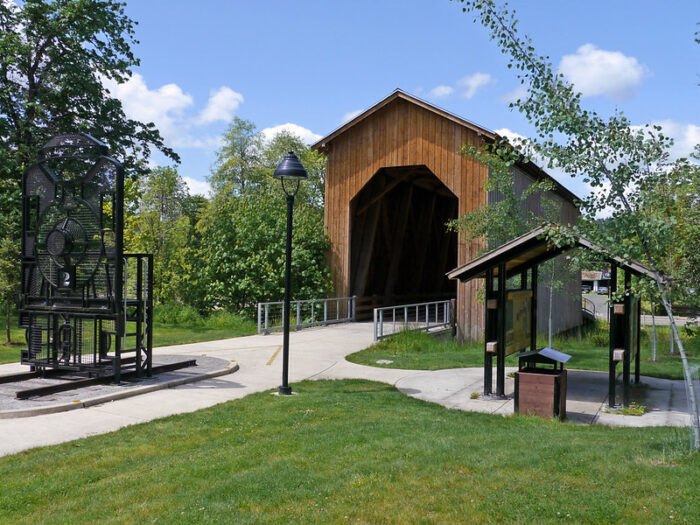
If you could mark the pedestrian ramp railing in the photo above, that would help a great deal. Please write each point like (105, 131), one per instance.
(306, 313)
(588, 307)
(428, 317)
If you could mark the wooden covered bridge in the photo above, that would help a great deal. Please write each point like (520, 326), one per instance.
(395, 176)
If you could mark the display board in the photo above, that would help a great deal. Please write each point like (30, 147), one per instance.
(518, 320)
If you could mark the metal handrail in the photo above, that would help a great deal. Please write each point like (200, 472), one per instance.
(431, 316)
(588, 306)
(333, 309)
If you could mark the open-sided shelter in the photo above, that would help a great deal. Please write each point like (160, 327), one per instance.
(511, 315)
(395, 176)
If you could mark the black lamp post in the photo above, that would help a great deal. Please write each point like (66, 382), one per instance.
(290, 171)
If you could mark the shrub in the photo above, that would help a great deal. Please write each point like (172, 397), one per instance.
(223, 319)
(183, 315)
(177, 314)
(600, 339)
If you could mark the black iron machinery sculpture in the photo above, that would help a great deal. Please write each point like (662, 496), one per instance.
(86, 305)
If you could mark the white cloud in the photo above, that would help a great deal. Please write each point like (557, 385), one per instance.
(594, 71)
(222, 106)
(208, 142)
(472, 83)
(168, 107)
(350, 115)
(441, 91)
(306, 135)
(164, 106)
(685, 136)
(519, 93)
(522, 143)
(197, 187)
(510, 134)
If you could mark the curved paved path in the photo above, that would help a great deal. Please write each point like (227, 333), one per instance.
(315, 354)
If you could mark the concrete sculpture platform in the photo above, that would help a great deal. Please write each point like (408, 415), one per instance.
(11, 407)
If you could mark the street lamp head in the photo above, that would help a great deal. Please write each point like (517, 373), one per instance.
(290, 168)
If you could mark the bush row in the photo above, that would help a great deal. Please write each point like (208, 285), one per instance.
(184, 315)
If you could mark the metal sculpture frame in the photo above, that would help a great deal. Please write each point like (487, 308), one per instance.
(87, 307)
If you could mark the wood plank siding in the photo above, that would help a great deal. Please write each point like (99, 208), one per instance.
(404, 132)
(565, 301)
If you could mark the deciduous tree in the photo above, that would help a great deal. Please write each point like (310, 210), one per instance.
(161, 226)
(615, 158)
(242, 231)
(9, 284)
(54, 56)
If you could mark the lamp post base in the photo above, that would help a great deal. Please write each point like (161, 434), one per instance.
(285, 390)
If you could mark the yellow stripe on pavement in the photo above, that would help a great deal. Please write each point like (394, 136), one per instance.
(274, 356)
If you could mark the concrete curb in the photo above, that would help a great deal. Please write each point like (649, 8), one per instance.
(64, 407)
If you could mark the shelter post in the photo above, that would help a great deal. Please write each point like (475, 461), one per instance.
(533, 309)
(501, 329)
(612, 329)
(637, 357)
(489, 332)
(627, 357)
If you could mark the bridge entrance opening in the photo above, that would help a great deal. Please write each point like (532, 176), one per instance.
(400, 246)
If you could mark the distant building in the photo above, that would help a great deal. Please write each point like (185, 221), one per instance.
(594, 281)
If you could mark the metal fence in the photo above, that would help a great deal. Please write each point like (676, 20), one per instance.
(311, 312)
(429, 317)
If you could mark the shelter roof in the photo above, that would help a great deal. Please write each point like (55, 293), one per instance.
(488, 135)
(531, 249)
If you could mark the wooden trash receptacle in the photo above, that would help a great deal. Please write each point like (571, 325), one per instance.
(541, 391)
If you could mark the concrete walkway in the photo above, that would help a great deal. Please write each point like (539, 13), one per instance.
(319, 354)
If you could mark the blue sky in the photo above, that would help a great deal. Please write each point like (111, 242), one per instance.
(311, 64)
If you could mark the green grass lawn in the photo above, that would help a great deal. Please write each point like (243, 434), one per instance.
(166, 335)
(420, 351)
(355, 452)
(9, 353)
(416, 350)
(163, 335)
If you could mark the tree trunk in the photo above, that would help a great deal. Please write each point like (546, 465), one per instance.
(689, 384)
(8, 333)
(551, 300)
(671, 346)
(672, 350)
(653, 332)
